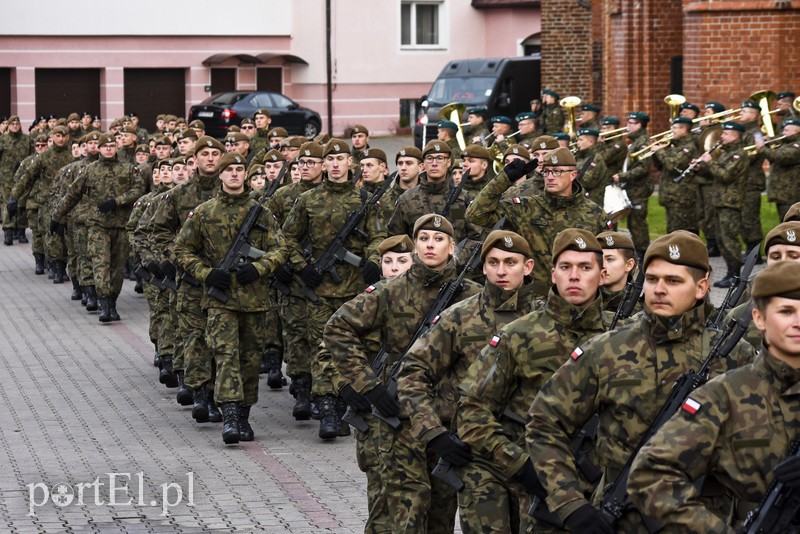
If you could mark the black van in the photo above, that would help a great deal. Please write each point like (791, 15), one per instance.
(504, 85)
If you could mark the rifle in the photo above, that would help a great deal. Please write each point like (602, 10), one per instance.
(455, 191)
(737, 288)
(241, 249)
(148, 277)
(778, 508)
(615, 500)
(630, 296)
(352, 417)
(697, 162)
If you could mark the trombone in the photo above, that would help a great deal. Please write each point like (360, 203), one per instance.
(752, 149)
(648, 151)
(570, 103)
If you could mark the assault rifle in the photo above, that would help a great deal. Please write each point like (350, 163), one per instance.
(630, 296)
(241, 249)
(148, 277)
(455, 191)
(778, 509)
(615, 500)
(737, 288)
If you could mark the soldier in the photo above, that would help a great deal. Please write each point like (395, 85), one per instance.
(86, 122)
(15, 146)
(446, 132)
(587, 118)
(142, 155)
(619, 261)
(273, 162)
(531, 183)
(679, 200)
(624, 375)
(688, 110)
(755, 182)
(239, 143)
(528, 132)
(539, 218)
(260, 139)
(784, 106)
(784, 162)
(373, 174)
(141, 133)
(707, 213)
(127, 138)
(408, 162)
(477, 129)
(199, 127)
(713, 438)
(635, 179)
(613, 151)
(478, 161)
(593, 172)
(184, 141)
(290, 147)
(501, 127)
(552, 114)
(396, 256)
(395, 308)
(359, 137)
(564, 140)
(438, 362)
(235, 327)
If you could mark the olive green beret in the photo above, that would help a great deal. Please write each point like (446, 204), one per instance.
(62, 122)
(376, 153)
(231, 158)
(166, 162)
(234, 129)
(95, 136)
(436, 147)
(505, 240)
(575, 239)
(73, 117)
(163, 140)
(793, 213)
(786, 233)
(311, 149)
(322, 138)
(42, 138)
(261, 111)
(205, 141)
(336, 146)
(435, 222)
(255, 170)
(180, 160)
(14, 118)
(160, 117)
(59, 130)
(681, 248)
(128, 129)
(188, 133)
(517, 150)
(278, 132)
(615, 240)
(197, 124)
(295, 141)
(358, 128)
(236, 137)
(560, 157)
(476, 151)
(410, 152)
(781, 279)
(545, 142)
(396, 243)
(105, 138)
(246, 121)
(272, 156)
(143, 149)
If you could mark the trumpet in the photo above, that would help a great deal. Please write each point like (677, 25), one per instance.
(648, 151)
(718, 117)
(772, 143)
(497, 154)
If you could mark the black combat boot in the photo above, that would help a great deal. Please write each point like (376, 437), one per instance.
(302, 405)
(263, 366)
(105, 309)
(157, 359)
(113, 309)
(341, 408)
(275, 378)
(713, 249)
(200, 407)
(84, 296)
(50, 268)
(39, 263)
(126, 271)
(214, 415)
(21, 237)
(139, 287)
(166, 376)
(8, 236)
(315, 414)
(91, 299)
(329, 422)
(245, 430)
(185, 394)
(60, 272)
(230, 427)
(76, 289)
(727, 282)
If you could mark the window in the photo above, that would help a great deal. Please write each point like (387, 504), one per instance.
(420, 24)
(261, 101)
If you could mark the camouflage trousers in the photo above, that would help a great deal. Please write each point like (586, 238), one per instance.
(323, 372)
(168, 334)
(80, 238)
(72, 254)
(55, 245)
(37, 238)
(296, 349)
(682, 218)
(368, 458)
(235, 338)
(197, 360)
(751, 217)
(706, 210)
(165, 324)
(151, 294)
(417, 502)
(273, 336)
(108, 248)
(729, 224)
(637, 224)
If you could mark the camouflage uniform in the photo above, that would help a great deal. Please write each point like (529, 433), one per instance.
(396, 307)
(79, 261)
(479, 131)
(536, 218)
(438, 362)
(680, 200)
(20, 220)
(716, 439)
(783, 188)
(596, 177)
(754, 185)
(639, 186)
(552, 118)
(260, 142)
(14, 147)
(626, 375)
(534, 185)
(706, 212)
(613, 153)
(497, 393)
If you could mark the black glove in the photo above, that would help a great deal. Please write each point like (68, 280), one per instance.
(154, 269)
(788, 472)
(311, 277)
(372, 273)
(219, 279)
(57, 228)
(246, 274)
(354, 399)
(168, 268)
(108, 206)
(385, 403)
(527, 477)
(284, 274)
(11, 206)
(518, 168)
(589, 520)
(451, 449)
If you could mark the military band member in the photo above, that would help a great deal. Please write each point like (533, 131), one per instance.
(784, 105)
(679, 200)
(588, 117)
(688, 110)
(552, 113)
(477, 130)
(528, 129)
(446, 132)
(635, 179)
(755, 182)
(706, 211)
(593, 172)
(784, 159)
(563, 139)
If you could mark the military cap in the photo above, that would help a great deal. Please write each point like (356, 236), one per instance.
(517, 150)
(278, 132)
(458, 163)
(180, 160)
(197, 124)
(125, 118)
(312, 150)
(189, 153)
(261, 111)
(231, 158)
(731, 125)
(140, 149)
(436, 147)
(505, 240)
(160, 117)
(551, 93)
(476, 151)
(116, 123)
(188, 133)
(163, 140)
(591, 107)
(502, 119)
(322, 138)
(639, 116)
(246, 121)
(750, 104)
(206, 141)
(105, 138)
(96, 118)
(408, 151)
(682, 120)
(61, 121)
(784, 234)
(358, 128)
(781, 279)
(689, 105)
(376, 153)
(524, 116)
(14, 118)
(166, 162)
(545, 142)
(450, 125)
(434, 222)
(791, 121)
(535, 101)
(235, 137)
(233, 129)
(334, 146)
(575, 239)
(481, 111)
(589, 131)
(128, 129)
(679, 247)
(560, 157)
(295, 141)
(396, 243)
(615, 240)
(59, 130)
(255, 170)
(785, 94)
(273, 156)
(95, 136)
(85, 114)
(41, 138)
(715, 106)
(73, 117)
(561, 136)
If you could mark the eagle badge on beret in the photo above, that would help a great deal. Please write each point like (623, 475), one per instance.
(610, 240)
(674, 252)
(508, 242)
(791, 236)
(542, 145)
(403, 247)
(580, 242)
(306, 152)
(554, 159)
(209, 143)
(437, 146)
(365, 152)
(516, 150)
(403, 152)
(437, 222)
(336, 146)
(274, 157)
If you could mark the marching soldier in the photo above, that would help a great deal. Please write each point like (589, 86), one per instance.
(679, 200)
(784, 159)
(706, 211)
(591, 167)
(15, 146)
(635, 179)
(478, 161)
(619, 261)
(260, 139)
(359, 136)
(755, 182)
(552, 114)
(408, 162)
(373, 175)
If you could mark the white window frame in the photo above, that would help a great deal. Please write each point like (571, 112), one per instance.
(443, 25)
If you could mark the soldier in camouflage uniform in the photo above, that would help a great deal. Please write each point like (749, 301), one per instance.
(539, 218)
(713, 436)
(533, 182)
(235, 328)
(613, 151)
(679, 200)
(18, 221)
(625, 375)
(477, 129)
(501, 128)
(396, 307)
(111, 187)
(784, 163)
(439, 360)
(552, 113)
(706, 212)
(479, 163)
(588, 117)
(446, 133)
(260, 140)
(373, 175)
(635, 179)
(594, 174)
(15, 146)
(359, 137)
(526, 124)
(755, 182)
(619, 261)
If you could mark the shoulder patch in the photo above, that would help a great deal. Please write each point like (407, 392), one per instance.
(494, 341)
(370, 289)
(577, 353)
(686, 150)
(436, 319)
(692, 406)
(795, 145)
(736, 156)
(516, 200)
(191, 214)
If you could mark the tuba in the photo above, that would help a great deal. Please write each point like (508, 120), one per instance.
(763, 98)
(453, 112)
(674, 102)
(570, 103)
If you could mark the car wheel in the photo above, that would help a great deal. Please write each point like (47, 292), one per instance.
(311, 129)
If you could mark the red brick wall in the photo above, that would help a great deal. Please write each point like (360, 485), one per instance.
(566, 48)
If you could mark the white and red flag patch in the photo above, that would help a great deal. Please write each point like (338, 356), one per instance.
(494, 341)
(690, 405)
(577, 353)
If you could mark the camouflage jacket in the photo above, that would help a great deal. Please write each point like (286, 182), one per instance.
(260, 141)
(24, 165)
(626, 375)
(537, 218)
(280, 204)
(552, 119)
(37, 182)
(395, 308)
(756, 179)
(473, 187)
(729, 172)
(142, 210)
(479, 131)
(500, 386)
(533, 185)
(14, 147)
(735, 429)
(386, 203)
(595, 178)
(100, 181)
(672, 161)
(208, 233)
(784, 164)
(320, 214)
(636, 180)
(613, 153)
(80, 213)
(438, 361)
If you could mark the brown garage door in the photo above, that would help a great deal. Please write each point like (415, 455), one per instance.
(269, 79)
(223, 80)
(64, 91)
(149, 92)
(5, 92)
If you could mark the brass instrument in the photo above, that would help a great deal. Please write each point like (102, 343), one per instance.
(616, 136)
(453, 112)
(497, 155)
(648, 151)
(763, 98)
(614, 131)
(674, 102)
(796, 104)
(752, 149)
(722, 116)
(570, 103)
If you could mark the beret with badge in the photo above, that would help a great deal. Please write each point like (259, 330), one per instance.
(273, 156)
(591, 107)
(476, 151)
(436, 147)
(610, 121)
(560, 157)
(231, 158)
(639, 116)
(689, 105)
(750, 104)
(680, 248)
(786, 233)
(682, 120)
(524, 116)
(561, 136)
(140, 149)
(295, 141)
(400, 244)
(311, 149)
(447, 125)
(261, 111)
(235, 137)
(715, 106)
(358, 129)
(793, 213)
(780, 279)
(505, 240)
(376, 153)
(545, 142)
(575, 239)
(478, 110)
(335, 146)
(410, 152)
(435, 223)
(550, 92)
(204, 142)
(73, 117)
(588, 131)
(322, 138)
(197, 124)
(188, 133)
(256, 170)
(278, 132)
(517, 150)
(735, 126)
(610, 240)
(502, 119)
(784, 94)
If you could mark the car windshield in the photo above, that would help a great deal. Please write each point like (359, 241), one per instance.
(467, 90)
(227, 99)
